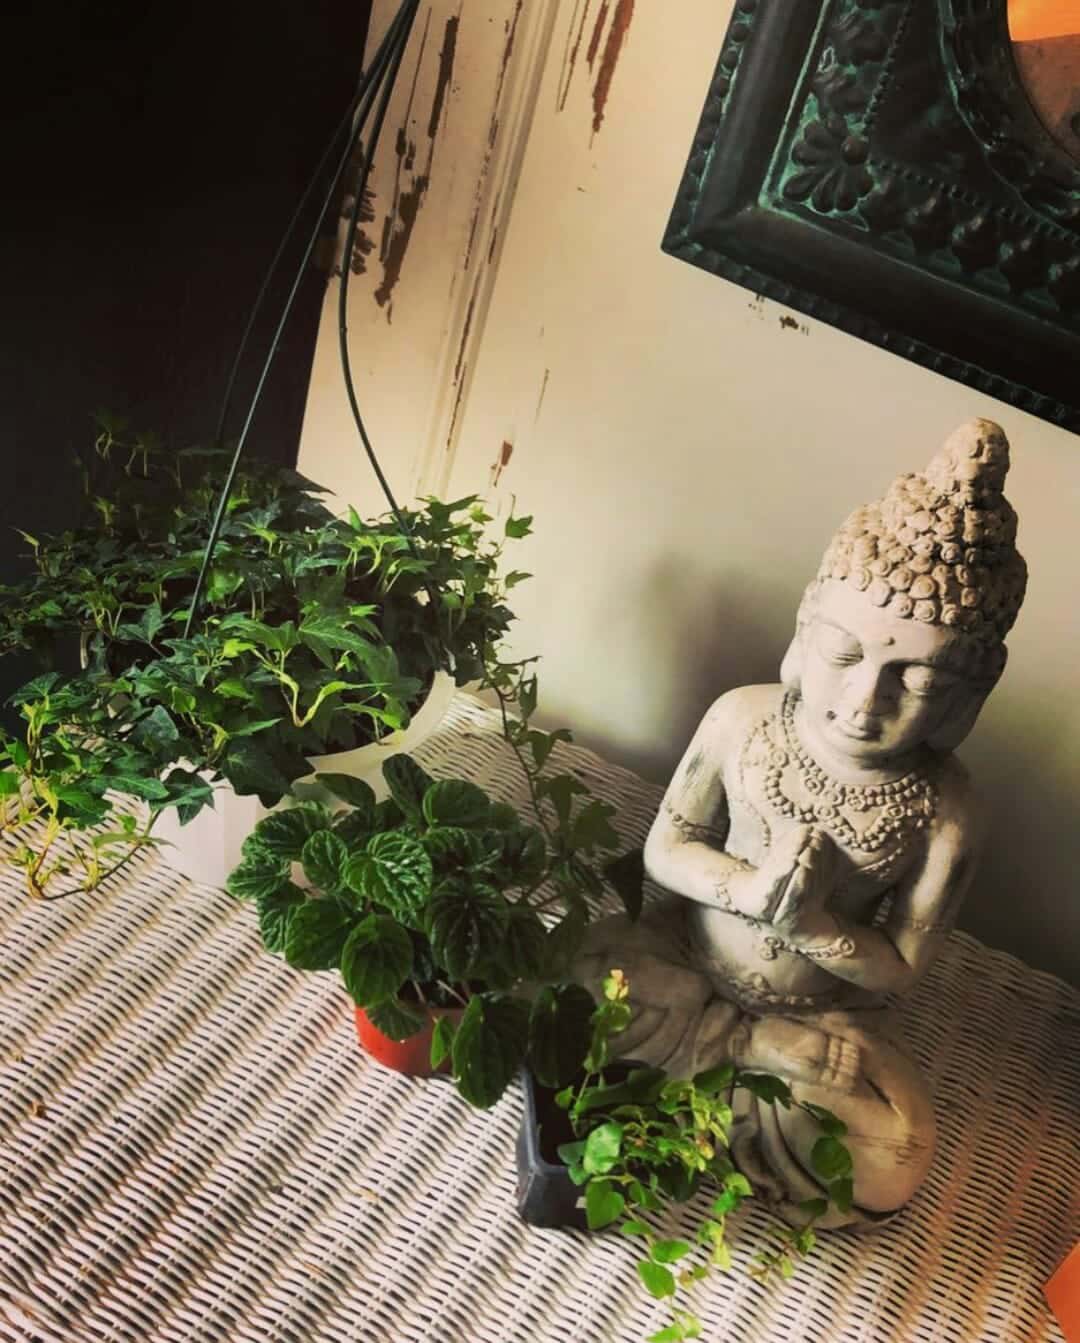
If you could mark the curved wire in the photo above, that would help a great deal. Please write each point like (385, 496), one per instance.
(388, 48)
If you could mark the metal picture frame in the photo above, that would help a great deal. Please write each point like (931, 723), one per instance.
(876, 164)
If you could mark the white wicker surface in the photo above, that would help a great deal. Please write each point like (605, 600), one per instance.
(192, 1148)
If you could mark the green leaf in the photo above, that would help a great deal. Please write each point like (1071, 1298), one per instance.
(516, 528)
(561, 789)
(593, 828)
(466, 924)
(442, 1041)
(408, 784)
(323, 857)
(524, 855)
(659, 1281)
(560, 1029)
(714, 1081)
(257, 878)
(772, 1090)
(603, 1204)
(456, 802)
(514, 577)
(602, 1148)
(354, 829)
(564, 943)
(489, 1046)
(642, 1087)
(670, 1251)
(316, 935)
(830, 1124)
(814, 1207)
(634, 1228)
(524, 944)
(570, 1153)
(842, 1193)
(830, 1159)
(396, 1019)
(331, 632)
(388, 815)
(9, 783)
(284, 833)
(450, 847)
(395, 873)
(627, 875)
(156, 732)
(275, 909)
(358, 794)
(376, 960)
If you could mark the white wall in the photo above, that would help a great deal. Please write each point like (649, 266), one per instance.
(687, 458)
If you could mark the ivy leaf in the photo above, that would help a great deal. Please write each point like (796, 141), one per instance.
(284, 833)
(156, 732)
(713, 1081)
(593, 828)
(275, 909)
(561, 790)
(456, 802)
(830, 1159)
(627, 874)
(842, 1192)
(315, 937)
(323, 856)
(516, 528)
(330, 632)
(603, 1204)
(524, 944)
(772, 1090)
(602, 1148)
(489, 1046)
(397, 1020)
(830, 1124)
(394, 872)
(670, 1251)
(408, 784)
(376, 960)
(257, 878)
(560, 1031)
(358, 794)
(659, 1281)
(466, 925)
(524, 855)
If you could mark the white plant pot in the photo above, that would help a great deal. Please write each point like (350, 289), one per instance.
(208, 847)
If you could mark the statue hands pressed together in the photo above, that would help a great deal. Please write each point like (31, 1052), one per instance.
(819, 838)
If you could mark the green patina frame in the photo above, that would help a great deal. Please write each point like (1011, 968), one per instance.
(876, 164)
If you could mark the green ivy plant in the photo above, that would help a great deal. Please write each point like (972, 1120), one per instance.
(644, 1141)
(434, 897)
(317, 634)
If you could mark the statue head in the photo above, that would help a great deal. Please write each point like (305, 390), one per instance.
(901, 636)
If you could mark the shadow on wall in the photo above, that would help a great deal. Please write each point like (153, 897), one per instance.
(699, 635)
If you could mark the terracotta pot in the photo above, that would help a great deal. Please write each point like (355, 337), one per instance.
(412, 1056)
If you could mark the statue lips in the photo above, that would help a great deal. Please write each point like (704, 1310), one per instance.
(865, 731)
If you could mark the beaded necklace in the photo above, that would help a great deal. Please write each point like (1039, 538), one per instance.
(906, 804)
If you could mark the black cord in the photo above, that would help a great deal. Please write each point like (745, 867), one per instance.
(389, 53)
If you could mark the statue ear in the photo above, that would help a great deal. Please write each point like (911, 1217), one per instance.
(964, 709)
(791, 667)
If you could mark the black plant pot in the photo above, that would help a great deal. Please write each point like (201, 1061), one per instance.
(546, 1196)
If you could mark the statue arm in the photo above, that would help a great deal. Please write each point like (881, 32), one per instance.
(684, 850)
(892, 958)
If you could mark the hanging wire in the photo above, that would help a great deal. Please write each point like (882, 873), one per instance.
(387, 60)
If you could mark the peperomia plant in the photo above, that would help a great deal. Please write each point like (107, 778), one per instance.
(432, 897)
(317, 634)
(644, 1141)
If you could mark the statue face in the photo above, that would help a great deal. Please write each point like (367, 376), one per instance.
(874, 686)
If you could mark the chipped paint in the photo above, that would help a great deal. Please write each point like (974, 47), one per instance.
(446, 73)
(461, 367)
(616, 39)
(597, 33)
(570, 58)
(511, 28)
(543, 393)
(501, 463)
(395, 242)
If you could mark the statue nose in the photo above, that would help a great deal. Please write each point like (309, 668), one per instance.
(866, 697)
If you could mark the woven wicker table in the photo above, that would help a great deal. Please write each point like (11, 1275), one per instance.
(192, 1148)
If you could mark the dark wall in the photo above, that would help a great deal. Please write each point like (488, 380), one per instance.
(153, 154)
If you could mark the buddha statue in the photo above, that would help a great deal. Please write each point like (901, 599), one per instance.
(818, 837)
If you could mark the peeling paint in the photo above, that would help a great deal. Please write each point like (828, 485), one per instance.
(446, 73)
(501, 463)
(396, 241)
(570, 58)
(597, 33)
(789, 323)
(492, 136)
(616, 38)
(543, 393)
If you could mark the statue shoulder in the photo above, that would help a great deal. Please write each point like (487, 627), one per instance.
(959, 817)
(735, 713)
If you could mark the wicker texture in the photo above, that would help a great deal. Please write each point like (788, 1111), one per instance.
(192, 1148)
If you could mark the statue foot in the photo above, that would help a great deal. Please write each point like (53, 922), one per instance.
(801, 1053)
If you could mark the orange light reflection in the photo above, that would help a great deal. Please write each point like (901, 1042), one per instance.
(1032, 20)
